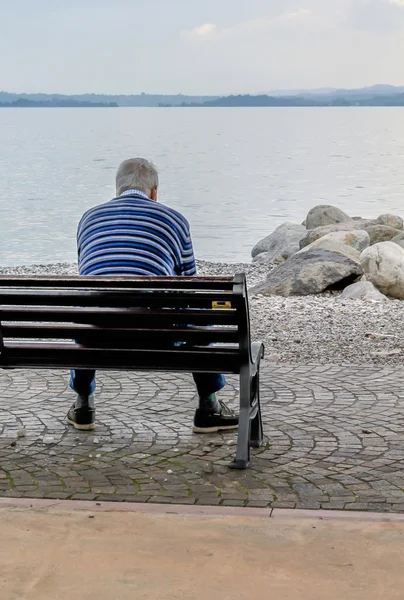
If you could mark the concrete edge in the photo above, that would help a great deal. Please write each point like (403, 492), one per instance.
(336, 515)
(185, 509)
(167, 509)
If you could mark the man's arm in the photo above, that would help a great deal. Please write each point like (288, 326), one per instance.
(78, 241)
(187, 267)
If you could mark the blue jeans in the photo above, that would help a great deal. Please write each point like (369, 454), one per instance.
(82, 382)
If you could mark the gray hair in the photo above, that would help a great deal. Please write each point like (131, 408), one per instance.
(136, 174)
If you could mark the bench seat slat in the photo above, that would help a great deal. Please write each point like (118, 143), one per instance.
(77, 281)
(124, 298)
(125, 317)
(135, 336)
(48, 355)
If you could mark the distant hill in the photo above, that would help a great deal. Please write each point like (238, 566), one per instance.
(298, 92)
(374, 90)
(118, 100)
(55, 103)
(316, 101)
(376, 95)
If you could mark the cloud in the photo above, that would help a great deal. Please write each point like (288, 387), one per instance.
(203, 30)
(292, 16)
(286, 19)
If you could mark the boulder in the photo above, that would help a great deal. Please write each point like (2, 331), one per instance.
(399, 239)
(381, 233)
(363, 223)
(383, 265)
(309, 272)
(358, 239)
(281, 243)
(261, 258)
(390, 220)
(325, 243)
(315, 234)
(377, 233)
(325, 214)
(353, 225)
(363, 290)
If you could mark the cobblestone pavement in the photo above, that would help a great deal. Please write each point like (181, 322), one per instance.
(334, 439)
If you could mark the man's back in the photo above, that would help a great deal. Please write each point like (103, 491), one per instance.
(133, 235)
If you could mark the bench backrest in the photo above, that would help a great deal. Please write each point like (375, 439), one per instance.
(125, 323)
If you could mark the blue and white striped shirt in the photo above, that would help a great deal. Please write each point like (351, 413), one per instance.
(133, 235)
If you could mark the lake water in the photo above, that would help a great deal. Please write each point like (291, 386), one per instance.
(235, 173)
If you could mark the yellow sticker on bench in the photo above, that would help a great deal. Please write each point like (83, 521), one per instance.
(221, 304)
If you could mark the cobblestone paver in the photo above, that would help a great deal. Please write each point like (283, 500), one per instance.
(334, 438)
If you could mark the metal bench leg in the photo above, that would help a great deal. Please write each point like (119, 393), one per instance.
(257, 434)
(244, 429)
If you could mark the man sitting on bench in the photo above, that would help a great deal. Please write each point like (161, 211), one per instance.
(133, 235)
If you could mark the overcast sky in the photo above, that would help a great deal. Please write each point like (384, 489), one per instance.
(198, 46)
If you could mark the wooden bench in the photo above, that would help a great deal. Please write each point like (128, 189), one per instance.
(152, 324)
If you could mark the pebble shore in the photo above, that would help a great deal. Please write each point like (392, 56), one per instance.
(318, 329)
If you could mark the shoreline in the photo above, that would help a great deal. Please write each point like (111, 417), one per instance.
(255, 272)
(323, 329)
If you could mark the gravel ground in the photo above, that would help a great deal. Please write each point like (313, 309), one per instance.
(311, 329)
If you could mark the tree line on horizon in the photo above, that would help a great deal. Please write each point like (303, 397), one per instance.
(54, 103)
(378, 95)
(264, 100)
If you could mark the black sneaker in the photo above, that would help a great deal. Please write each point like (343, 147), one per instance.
(212, 422)
(82, 417)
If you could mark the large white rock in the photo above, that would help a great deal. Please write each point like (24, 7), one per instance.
(363, 290)
(358, 239)
(325, 243)
(281, 243)
(315, 234)
(383, 265)
(377, 232)
(325, 214)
